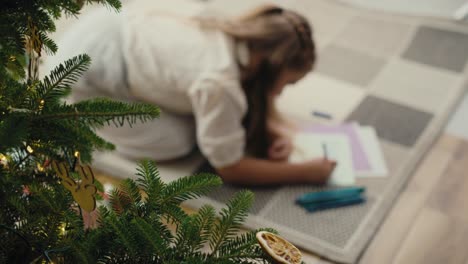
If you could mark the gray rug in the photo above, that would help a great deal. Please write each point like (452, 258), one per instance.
(403, 75)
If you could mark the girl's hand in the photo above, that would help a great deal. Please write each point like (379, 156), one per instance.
(280, 149)
(321, 170)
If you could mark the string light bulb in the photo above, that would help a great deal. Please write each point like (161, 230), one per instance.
(77, 156)
(29, 149)
(41, 104)
(40, 168)
(62, 229)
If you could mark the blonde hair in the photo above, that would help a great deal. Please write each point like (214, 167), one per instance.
(284, 38)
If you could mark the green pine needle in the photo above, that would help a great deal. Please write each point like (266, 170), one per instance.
(116, 4)
(58, 83)
(49, 45)
(126, 198)
(102, 111)
(149, 180)
(245, 244)
(190, 187)
(204, 221)
(152, 235)
(231, 219)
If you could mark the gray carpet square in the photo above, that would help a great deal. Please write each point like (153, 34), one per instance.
(224, 193)
(345, 64)
(394, 122)
(335, 226)
(414, 84)
(439, 48)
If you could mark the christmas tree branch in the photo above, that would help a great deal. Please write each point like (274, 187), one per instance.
(98, 111)
(84, 115)
(190, 187)
(18, 234)
(237, 256)
(58, 83)
(231, 218)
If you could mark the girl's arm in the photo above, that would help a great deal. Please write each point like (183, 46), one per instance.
(252, 171)
(280, 134)
(278, 125)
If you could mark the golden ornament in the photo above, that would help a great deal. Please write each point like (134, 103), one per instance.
(3, 160)
(279, 248)
(82, 191)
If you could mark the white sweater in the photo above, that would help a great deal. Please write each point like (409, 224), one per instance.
(145, 54)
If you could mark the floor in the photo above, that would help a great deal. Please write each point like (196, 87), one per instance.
(429, 223)
(458, 125)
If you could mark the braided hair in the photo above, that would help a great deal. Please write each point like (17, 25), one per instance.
(284, 38)
(257, 86)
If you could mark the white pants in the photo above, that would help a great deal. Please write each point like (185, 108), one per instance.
(168, 137)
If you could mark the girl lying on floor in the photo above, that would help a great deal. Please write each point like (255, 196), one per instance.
(214, 80)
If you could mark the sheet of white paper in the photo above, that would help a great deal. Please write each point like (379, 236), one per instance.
(371, 145)
(310, 146)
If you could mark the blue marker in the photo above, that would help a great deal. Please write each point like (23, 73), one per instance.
(328, 195)
(335, 203)
(321, 115)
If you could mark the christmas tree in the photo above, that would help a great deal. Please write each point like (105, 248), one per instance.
(48, 199)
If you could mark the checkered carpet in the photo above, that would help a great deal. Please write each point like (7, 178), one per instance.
(403, 75)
